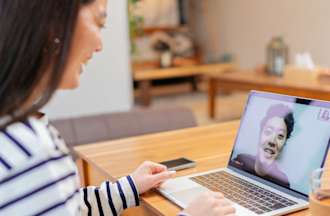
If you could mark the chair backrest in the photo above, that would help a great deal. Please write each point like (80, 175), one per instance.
(96, 128)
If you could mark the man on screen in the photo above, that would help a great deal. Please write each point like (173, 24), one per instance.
(275, 129)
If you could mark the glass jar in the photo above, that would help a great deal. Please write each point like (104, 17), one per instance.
(166, 59)
(277, 56)
(319, 196)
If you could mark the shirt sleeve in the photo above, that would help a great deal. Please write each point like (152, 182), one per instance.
(183, 214)
(109, 198)
(38, 185)
(38, 176)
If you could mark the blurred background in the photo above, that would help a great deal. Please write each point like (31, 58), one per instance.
(145, 38)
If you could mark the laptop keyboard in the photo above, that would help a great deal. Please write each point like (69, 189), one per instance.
(242, 192)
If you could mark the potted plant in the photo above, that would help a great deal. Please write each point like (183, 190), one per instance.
(135, 23)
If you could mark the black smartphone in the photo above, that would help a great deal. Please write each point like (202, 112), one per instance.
(179, 164)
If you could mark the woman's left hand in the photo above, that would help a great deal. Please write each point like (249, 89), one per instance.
(150, 175)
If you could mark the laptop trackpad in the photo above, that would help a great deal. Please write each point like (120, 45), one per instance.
(187, 195)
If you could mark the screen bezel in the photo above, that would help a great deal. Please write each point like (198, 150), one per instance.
(284, 98)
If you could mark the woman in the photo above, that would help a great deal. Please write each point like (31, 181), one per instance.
(43, 47)
(275, 130)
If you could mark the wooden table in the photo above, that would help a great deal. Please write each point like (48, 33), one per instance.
(298, 83)
(210, 146)
(145, 76)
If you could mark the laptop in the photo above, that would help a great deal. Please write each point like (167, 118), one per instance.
(281, 140)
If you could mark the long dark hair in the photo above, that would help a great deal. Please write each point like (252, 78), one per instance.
(35, 40)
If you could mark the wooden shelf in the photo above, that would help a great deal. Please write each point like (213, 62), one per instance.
(148, 31)
(177, 62)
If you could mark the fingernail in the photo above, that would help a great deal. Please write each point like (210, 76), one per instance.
(172, 172)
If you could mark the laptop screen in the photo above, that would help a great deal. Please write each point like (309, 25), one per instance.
(282, 139)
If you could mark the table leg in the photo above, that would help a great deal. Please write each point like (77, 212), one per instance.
(137, 211)
(212, 97)
(145, 92)
(193, 81)
(83, 172)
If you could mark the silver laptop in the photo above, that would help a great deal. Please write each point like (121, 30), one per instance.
(281, 140)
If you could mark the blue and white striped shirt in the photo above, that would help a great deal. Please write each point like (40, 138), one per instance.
(38, 176)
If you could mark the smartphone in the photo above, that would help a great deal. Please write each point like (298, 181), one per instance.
(179, 164)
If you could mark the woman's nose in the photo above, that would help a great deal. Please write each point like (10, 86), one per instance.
(99, 44)
(272, 140)
(272, 144)
(99, 47)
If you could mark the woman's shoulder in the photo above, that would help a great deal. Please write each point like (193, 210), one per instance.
(245, 161)
(31, 168)
(24, 142)
(246, 158)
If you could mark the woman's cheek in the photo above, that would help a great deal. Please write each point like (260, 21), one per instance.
(280, 145)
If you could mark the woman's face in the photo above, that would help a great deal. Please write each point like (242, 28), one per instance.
(86, 40)
(273, 138)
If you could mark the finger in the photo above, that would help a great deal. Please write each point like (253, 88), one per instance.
(217, 195)
(157, 185)
(228, 210)
(162, 176)
(225, 202)
(156, 167)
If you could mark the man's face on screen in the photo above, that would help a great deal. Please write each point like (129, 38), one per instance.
(273, 138)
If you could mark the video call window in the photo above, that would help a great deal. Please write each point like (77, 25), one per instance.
(282, 141)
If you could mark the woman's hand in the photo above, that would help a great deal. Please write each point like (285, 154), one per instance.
(211, 204)
(150, 175)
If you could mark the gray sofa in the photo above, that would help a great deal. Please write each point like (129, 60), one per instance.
(96, 128)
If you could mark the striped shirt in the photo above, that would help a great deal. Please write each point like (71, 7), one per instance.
(38, 176)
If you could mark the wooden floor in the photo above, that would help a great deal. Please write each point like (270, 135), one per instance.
(230, 106)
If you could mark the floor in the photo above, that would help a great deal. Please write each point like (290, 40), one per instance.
(229, 106)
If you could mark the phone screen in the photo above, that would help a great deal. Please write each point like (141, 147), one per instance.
(176, 162)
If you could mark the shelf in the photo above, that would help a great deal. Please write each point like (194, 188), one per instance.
(148, 31)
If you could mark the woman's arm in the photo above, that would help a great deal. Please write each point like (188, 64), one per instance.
(109, 198)
(113, 198)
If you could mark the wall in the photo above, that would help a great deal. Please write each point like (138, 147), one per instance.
(106, 84)
(245, 27)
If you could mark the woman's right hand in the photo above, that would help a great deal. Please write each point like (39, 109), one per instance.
(211, 204)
